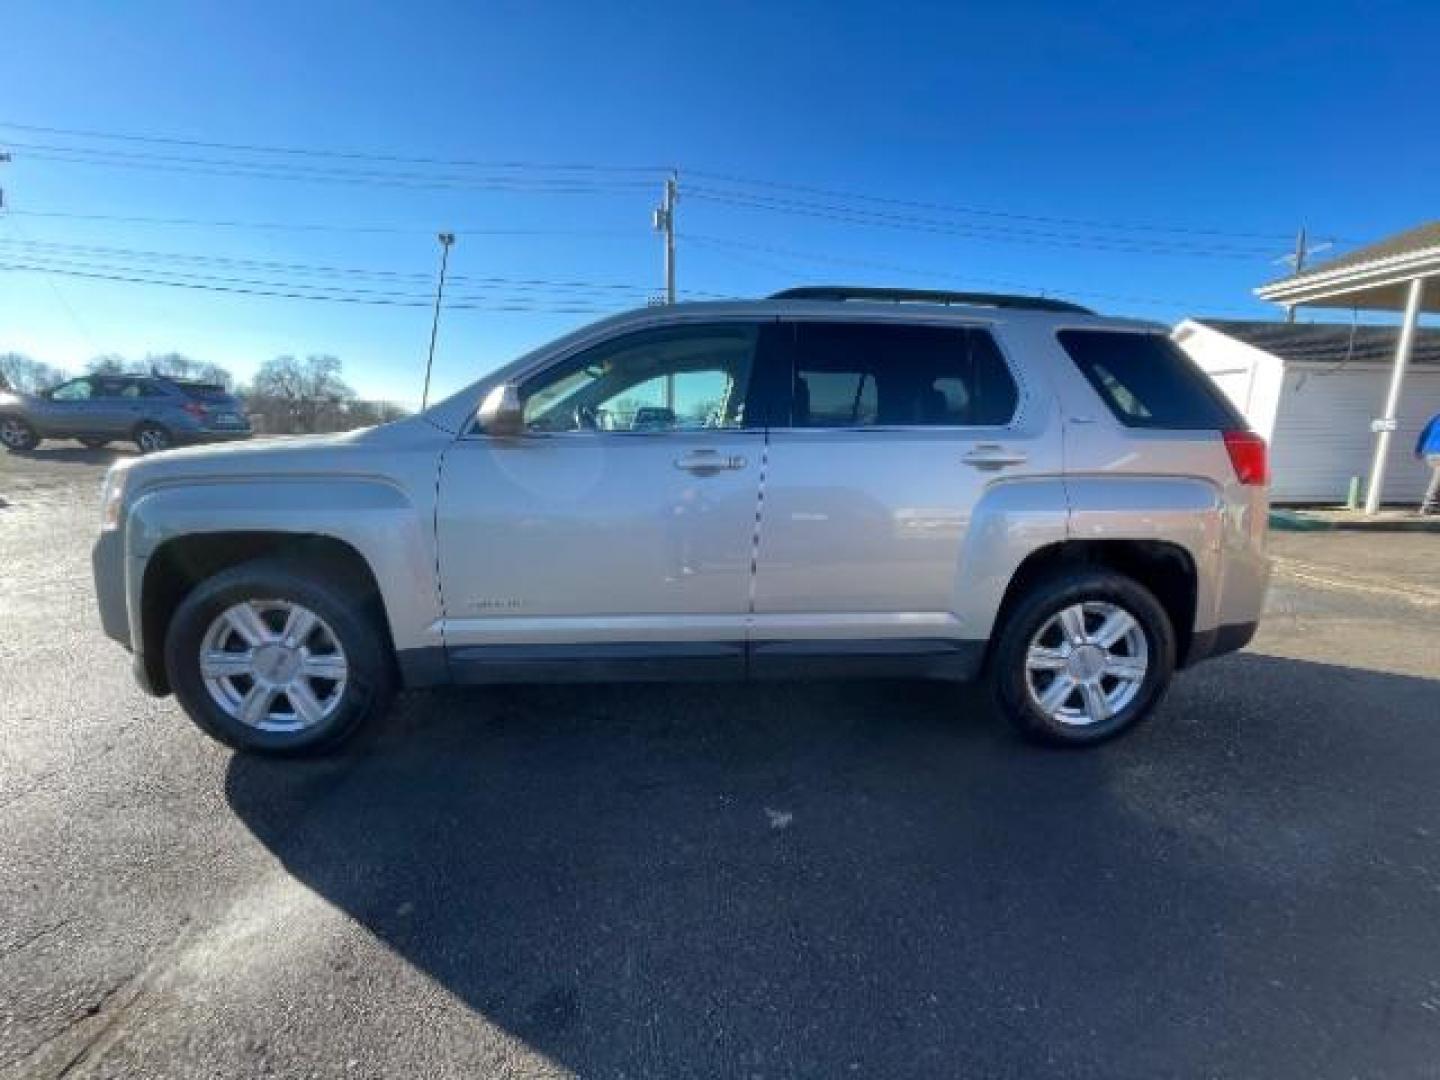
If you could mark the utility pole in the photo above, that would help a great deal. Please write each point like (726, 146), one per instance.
(1303, 251)
(1299, 268)
(446, 239)
(665, 223)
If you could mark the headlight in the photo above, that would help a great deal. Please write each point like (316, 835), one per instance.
(112, 497)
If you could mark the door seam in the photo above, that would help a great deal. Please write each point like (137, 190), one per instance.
(755, 535)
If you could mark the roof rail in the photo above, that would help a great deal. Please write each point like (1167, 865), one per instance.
(929, 296)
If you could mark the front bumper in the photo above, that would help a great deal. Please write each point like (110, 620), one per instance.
(107, 563)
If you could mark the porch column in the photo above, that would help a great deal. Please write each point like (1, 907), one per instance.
(1392, 400)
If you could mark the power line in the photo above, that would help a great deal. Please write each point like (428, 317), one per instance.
(282, 292)
(953, 208)
(347, 155)
(538, 295)
(638, 170)
(995, 234)
(722, 246)
(260, 171)
(311, 269)
(280, 226)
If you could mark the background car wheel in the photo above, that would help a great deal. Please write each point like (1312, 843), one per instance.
(94, 444)
(16, 434)
(278, 659)
(1083, 656)
(152, 438)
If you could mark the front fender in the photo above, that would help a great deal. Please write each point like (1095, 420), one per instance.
(373, 515)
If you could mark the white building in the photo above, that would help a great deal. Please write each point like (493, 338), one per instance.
(1312, 391)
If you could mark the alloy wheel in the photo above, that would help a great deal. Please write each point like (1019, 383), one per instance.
(14, 434)
(273, 665)
(1086, 663)
(152, 440)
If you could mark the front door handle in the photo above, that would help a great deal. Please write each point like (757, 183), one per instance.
(704, 462)
(993, 456)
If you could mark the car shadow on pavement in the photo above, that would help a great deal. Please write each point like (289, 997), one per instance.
(877, 879)
(73, 455)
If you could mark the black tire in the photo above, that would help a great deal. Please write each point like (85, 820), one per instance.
(94, 444)
(353, 618)
(17, 435)
(151, 438)
(1042, 601)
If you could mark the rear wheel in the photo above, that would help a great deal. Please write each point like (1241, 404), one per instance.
(16, 434)
(1083, 656)
(278, 659)
(94, 444)
(152, 438)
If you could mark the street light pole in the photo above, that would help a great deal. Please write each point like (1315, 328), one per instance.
(446, 239)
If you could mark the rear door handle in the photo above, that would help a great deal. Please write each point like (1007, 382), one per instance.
(993, 456)
(708, 461)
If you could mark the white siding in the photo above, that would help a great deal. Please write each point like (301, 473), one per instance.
(1322, 433)
(1249, 377)
(1317, 417)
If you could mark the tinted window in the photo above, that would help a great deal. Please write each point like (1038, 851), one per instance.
(1148, 381)
(848, 374)
(204, 391)
(108, 388)
(676, 378)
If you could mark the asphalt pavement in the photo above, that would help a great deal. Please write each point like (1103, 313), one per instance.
(817, 880)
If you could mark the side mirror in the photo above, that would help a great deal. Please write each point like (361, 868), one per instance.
(501, 413)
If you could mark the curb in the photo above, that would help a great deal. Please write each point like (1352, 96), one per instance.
(1298, 521)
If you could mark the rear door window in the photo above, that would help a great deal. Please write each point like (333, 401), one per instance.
(856, 374)
(1148, 381)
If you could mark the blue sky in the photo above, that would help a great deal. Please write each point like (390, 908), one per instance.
(1148, 159)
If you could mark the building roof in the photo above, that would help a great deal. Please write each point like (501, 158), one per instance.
(1329, 343)
(1373, 277)
(1421, 238)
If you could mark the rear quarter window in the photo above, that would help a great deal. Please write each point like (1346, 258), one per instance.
(1148, 381)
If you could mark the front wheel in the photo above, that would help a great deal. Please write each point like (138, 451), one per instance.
(1083, 656)
(17, 435)
(278, 659)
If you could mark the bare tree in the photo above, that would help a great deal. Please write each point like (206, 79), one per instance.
(301, 396)
(108, 364)
(22, 373)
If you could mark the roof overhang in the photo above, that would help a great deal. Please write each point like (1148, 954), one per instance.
(1378, 285)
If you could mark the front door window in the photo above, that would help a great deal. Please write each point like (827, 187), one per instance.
(691, 378)
(75, 390)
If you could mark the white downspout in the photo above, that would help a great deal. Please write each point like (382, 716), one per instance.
(1386, 425)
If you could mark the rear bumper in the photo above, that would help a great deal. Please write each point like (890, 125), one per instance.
(1219, 640)
(209, 435)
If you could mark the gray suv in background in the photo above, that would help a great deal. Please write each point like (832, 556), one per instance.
(153, 411)
(829, 482)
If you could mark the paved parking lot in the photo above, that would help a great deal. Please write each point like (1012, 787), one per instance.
(782, 880)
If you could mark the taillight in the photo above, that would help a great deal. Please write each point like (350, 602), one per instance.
(1250, 456)
(195, 409)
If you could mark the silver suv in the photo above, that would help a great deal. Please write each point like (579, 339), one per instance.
(153, 411)
(829, 482)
